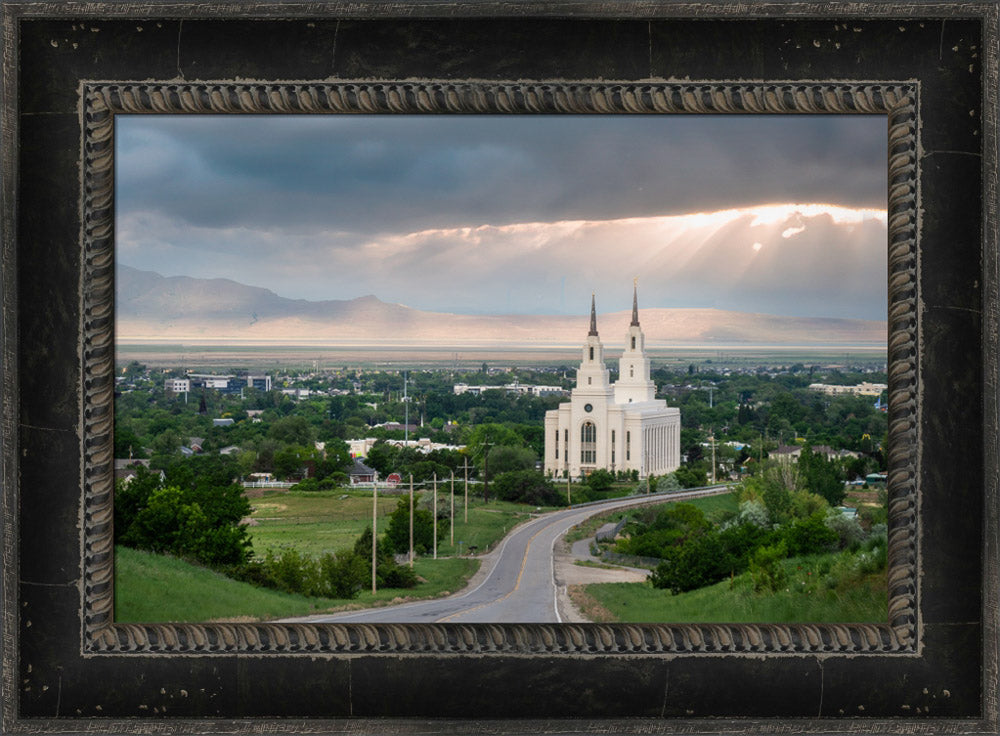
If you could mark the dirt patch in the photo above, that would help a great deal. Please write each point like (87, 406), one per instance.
(234, 620)
(572, 574)
(588, 606)
(279, 507)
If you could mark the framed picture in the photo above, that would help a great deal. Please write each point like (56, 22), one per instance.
(72, 72)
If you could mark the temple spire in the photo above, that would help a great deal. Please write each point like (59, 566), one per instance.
(593, 316)
(635, 302)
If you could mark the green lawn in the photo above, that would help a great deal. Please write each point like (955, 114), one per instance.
(157, 588)
(803, 600)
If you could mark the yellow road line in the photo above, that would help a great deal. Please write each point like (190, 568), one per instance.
(517, 583)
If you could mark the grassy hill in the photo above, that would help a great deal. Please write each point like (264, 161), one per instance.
(810, 595)
(157, 588)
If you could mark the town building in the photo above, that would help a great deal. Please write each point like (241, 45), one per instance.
(864, 388)
(177, 385)
(227, 384)
(615, 426)
(523, 389)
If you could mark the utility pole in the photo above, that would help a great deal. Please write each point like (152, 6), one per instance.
(465, 466)
(411, 520)
(712, 440)
(435, 486)
(453, 510)
(406, 430)
(569, 498)
(486, 471)
(374, 530)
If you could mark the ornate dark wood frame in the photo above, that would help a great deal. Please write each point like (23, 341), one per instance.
(102, 101)
(933, 668)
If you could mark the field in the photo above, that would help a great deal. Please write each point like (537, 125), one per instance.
(318, 522)
(314, 522)
(157, 588)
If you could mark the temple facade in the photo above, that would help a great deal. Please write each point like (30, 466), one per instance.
(615, 426)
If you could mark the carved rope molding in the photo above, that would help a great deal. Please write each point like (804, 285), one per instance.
(102, 101)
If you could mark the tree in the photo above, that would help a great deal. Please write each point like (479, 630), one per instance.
(292, 430)
(692, 475)
(482, 440)
(667, 483)
(171, 521)
(397, 535)
(382, 457)
(527, 486)
(127, 442)
(196, 515)
(600, 480)
(290, 459)
(504, 459)
(822, 476)
(130, 497)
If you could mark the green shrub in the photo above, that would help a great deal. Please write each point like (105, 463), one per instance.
(810, 535)
(847, 528)
(766, 570)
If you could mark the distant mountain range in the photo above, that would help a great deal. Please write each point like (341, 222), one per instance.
(154, 307)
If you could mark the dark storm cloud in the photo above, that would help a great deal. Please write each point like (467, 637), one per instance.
(377, 174)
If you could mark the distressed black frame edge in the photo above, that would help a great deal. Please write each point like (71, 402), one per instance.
(988, 722)
(8, 370)
(102, 101)
(413, 9)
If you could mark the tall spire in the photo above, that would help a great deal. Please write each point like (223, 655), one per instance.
(593, 316)
(635, 302)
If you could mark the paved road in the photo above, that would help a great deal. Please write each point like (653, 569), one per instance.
(520, 587)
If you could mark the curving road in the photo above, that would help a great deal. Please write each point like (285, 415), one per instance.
(521, 586)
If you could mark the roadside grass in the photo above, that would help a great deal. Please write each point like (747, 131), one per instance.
(488, 523)
(151, 588)
(808, 597)
(709, 504)
(599, 565)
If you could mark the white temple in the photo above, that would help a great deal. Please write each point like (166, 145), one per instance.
(619, 426)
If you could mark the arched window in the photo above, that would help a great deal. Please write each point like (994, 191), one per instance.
(633, 342)
(592, 352)
(588, 443)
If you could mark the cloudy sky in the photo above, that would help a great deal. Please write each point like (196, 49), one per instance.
(515, 214)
